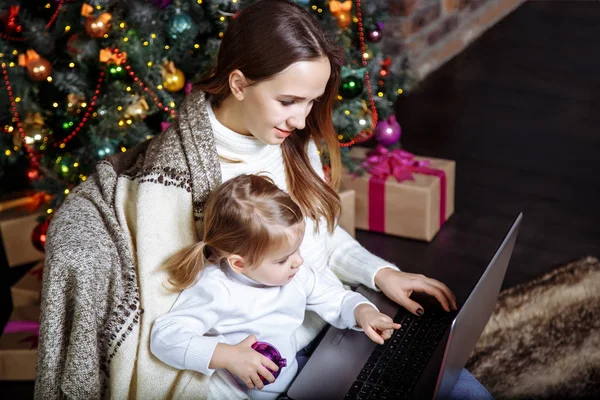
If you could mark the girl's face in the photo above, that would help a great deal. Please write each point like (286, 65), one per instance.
(273, 109)
(279, 267)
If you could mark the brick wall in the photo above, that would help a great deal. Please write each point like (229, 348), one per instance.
(430, 32)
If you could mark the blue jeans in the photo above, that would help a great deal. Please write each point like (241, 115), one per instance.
(466, 388)
(469, 388)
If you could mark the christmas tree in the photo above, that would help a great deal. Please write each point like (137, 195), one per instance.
(87, 80)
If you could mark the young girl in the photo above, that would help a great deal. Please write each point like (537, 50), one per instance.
(266, 107)
(246, 281)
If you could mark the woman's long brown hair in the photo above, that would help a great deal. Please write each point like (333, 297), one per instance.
(261, 41)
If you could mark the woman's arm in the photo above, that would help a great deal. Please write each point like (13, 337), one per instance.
(354, 264)
(351, 262)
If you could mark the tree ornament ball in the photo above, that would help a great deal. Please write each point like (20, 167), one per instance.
(39, 69)
(98, 27)
(116, 72)
(38, 236)
(179, 24)
(351, 87)
(272, 354)
(374, 35)
(174, 80)
(388, 132)
(162, 3)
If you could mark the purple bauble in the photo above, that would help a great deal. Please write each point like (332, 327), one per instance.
(387, 132)
(162, 3)
(272, 354)
(376, 34)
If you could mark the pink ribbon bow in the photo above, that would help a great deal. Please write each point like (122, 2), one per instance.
(382, 163)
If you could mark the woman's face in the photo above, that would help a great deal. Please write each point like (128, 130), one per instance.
(273, 109)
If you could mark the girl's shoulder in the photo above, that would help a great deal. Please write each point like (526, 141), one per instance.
(211, 272)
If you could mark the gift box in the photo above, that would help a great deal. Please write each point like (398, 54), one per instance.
(347, 216)
(18, 345)
(18, 219)
(27, 291)
(401, 194)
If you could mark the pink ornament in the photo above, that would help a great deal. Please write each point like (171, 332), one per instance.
(188, 88)
(164, 125)
(271, 353)
(387, 132)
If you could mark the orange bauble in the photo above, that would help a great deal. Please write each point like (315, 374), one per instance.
(39, 69)
(98, 27)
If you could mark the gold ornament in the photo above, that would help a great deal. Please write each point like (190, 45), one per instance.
(33, 125)
(38, 68)
(173, 78)
(74, 103)
(341, 12)
(137, 109)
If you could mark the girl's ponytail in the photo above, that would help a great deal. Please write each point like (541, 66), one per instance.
(185, 266)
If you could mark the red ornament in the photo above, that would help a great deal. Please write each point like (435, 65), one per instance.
(11, 23)
(38, 236)
(32, 174)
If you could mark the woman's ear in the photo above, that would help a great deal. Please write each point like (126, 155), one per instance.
(236, 263)
(237, 84)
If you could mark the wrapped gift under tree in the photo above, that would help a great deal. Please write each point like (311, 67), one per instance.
(19, 338)
(18, 344)
(401, 194)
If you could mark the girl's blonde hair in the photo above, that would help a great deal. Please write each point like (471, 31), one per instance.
(292, 35)
(248, 216)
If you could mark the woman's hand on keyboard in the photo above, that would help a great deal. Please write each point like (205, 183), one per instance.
(398, 286)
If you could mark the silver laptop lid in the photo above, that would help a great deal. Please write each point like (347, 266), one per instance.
(474, 315)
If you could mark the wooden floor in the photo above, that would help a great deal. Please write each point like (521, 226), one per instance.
(519, 111)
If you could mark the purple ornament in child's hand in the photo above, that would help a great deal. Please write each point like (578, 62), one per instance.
(387, 132)
(272, 354)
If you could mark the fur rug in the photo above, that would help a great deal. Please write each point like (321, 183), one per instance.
(543, 340)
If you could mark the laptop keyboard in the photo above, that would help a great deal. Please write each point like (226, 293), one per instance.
(394, 368)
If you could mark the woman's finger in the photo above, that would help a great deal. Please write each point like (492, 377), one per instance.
(413, 307)
(424, 287)
(447, 292)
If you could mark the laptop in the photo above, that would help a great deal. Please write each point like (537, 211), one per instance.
(422, 360)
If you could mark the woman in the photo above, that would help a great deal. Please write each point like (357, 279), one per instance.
(264, 109)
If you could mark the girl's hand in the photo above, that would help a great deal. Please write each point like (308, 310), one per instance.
(398, 286)
(245, 362)
(377, 326)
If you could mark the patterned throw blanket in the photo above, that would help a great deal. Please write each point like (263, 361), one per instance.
(102, 285)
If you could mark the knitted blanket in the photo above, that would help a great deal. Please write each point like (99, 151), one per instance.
(103, 287)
